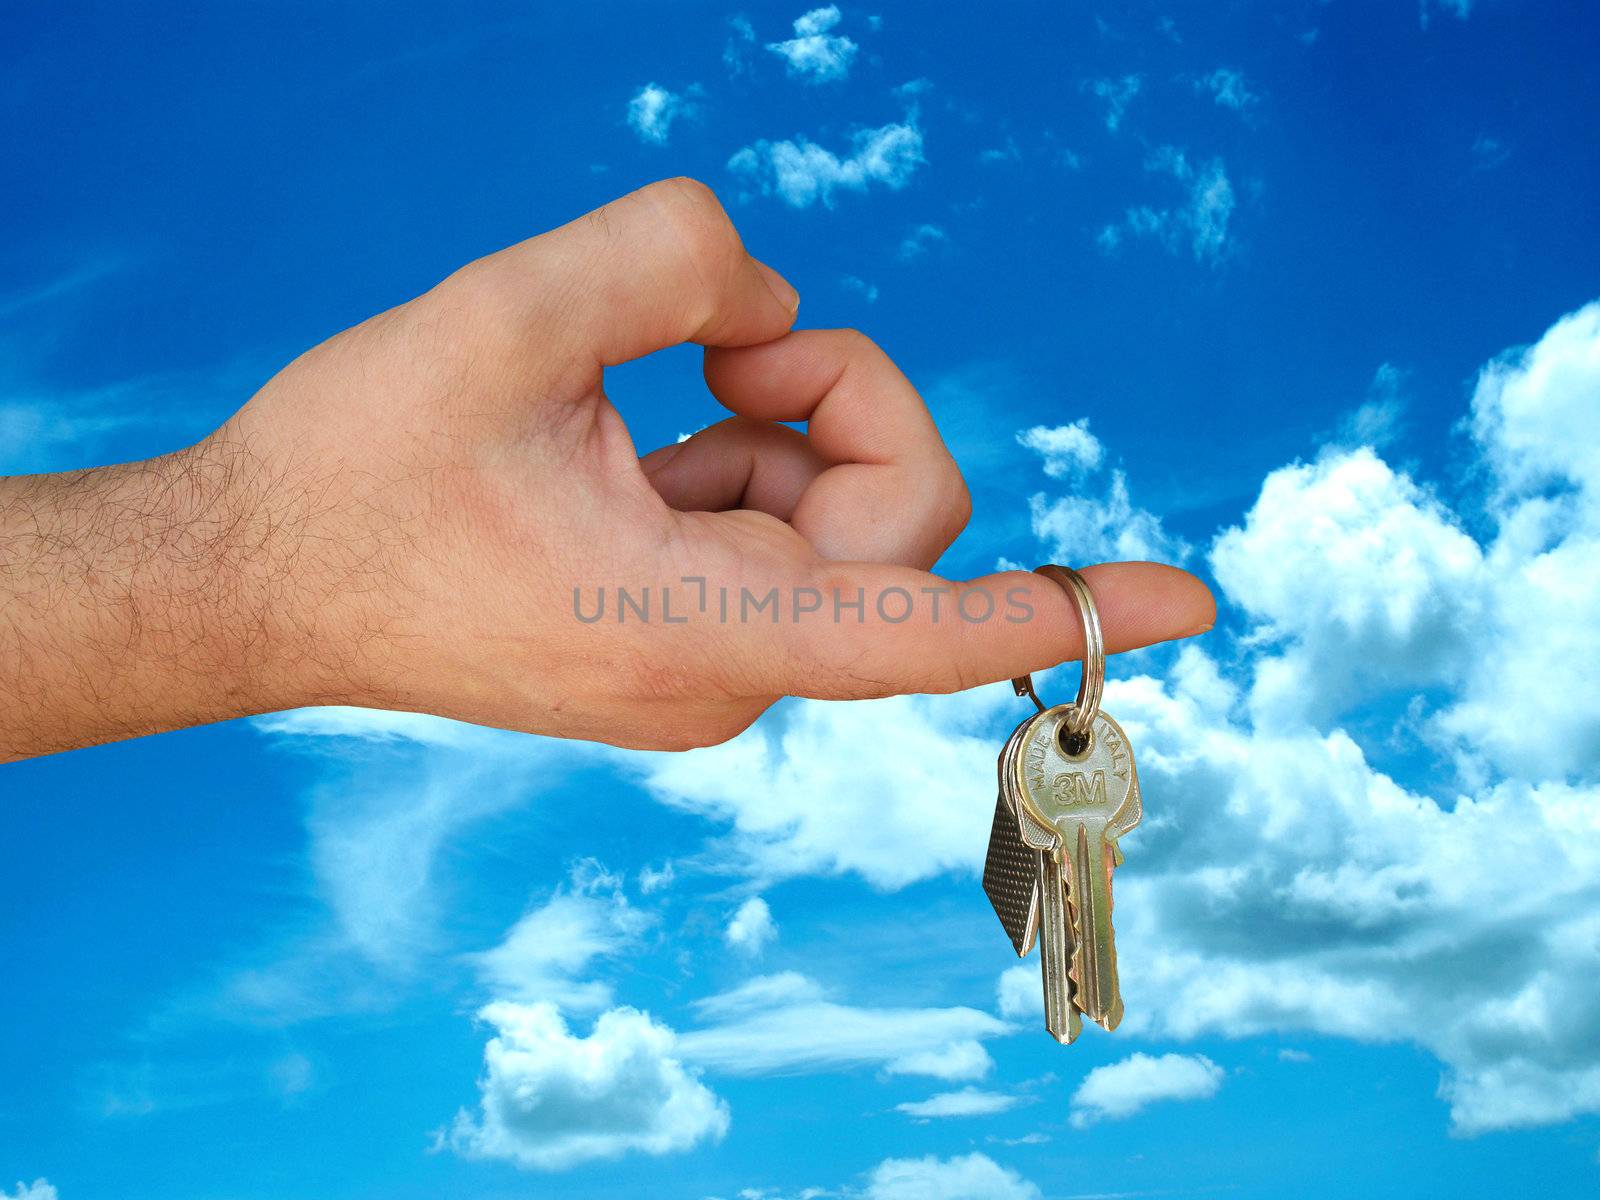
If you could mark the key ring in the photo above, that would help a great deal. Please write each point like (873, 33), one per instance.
(1087, 707)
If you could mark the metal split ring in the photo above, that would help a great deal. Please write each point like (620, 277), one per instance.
(1093, 684)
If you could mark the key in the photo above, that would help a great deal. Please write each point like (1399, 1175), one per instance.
(1056, 936)
(1011, 868)
(1074, 803)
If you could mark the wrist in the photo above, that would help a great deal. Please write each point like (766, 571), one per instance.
(149, 596)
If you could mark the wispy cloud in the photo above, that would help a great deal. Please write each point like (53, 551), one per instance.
(918, 241)
(854, 283)
(968, 1102)
(751, 927)
(802, 173)
(785, 1023)
(548, 953)
(1095, 522)
(814, 53)
(1198, 225)
(1116, 94)
(653, 110)
(1228, 88)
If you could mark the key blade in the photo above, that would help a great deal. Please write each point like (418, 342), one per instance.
(1061, 1015)
(1094, 948)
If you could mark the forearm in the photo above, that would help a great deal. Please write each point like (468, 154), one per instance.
(138, 598)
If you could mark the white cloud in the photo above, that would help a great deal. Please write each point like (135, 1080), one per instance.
(394, 792)
(551, 1100)
(1290, 1055)
(1284, 882)
(751, 927)
(1121, 1089)
(1365, 579)
(1228, 88)
(1376, 422)
(968, 1102)
(1460, 9)
(1488, 153)
(790, 789)
(784, 1023)
(1360, 894)
(39, 1189)
(653, 879)
(815, 54)
(917, 242)
(1117, 94)
(1020, 992)
(854, 283)
(1199, 224)
(966, 1177)
(546, 953)
(1092, 524)
(1069, 451)
(652, 111)
(736, 52)
(801, 173)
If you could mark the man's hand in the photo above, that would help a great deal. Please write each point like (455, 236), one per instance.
(425, 511)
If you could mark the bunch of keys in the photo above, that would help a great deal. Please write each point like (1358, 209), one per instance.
(1068, 792)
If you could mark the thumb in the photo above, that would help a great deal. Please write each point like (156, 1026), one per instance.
(660, 266)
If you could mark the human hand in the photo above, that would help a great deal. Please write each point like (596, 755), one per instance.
(404, 516)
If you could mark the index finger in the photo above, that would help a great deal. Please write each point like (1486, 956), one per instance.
(892, 493)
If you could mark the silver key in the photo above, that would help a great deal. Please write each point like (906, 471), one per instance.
(1056, 934)
(1074, 803)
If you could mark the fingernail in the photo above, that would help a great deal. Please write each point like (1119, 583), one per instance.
(1198, 630)
(781, 289)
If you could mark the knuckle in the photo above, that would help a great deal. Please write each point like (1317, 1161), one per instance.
(694, 218)
(955, 503)
(857, 344)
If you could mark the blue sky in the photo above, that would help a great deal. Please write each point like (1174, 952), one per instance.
(1299, 295)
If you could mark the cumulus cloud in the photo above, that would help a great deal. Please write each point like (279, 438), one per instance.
(786, 1023)
(802, 173)
(1121, 1089)
(1198, 225)
(1020, 991)
(551, 1100)
(39, 1189)
(1289, 883)
(652, 111)
(1363, 577)
(965, 1177)
(547, 952)
(968, 1102)
(1097, 522)
(1117, 94)
(791, 792)
(815, 54)
(751, 927)
(1285, 880)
